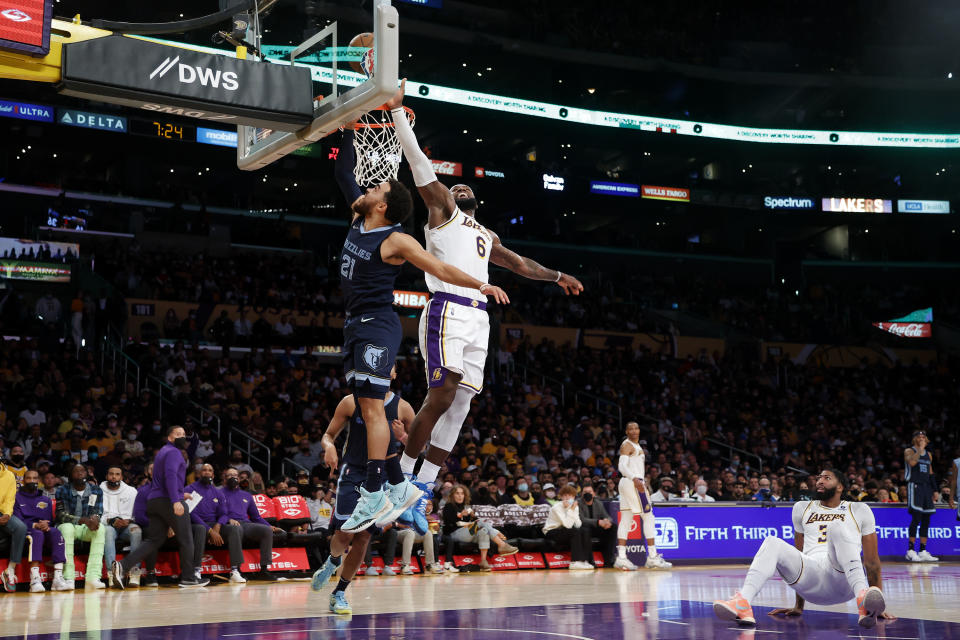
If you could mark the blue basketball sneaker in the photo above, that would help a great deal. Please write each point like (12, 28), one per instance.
(371, 506)
(322, 575)
(420, 524)
(339, 604)
(402, 496)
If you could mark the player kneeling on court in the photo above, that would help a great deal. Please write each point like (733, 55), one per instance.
(824, 565)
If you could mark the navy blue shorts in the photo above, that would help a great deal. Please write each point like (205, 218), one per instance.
(351, 479)
(919, 499)
(370, 345)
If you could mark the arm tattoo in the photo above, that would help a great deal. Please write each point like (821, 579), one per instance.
(521, 266)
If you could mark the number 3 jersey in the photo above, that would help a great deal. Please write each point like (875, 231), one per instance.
(816, 522)
(464, 243)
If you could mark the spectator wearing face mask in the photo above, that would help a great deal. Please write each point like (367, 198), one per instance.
(36, 512)
(598, 523)
(166, 510)
(700, 493)
(118, 500)
(16, 464)
(564, 527)
(666, 491)
(207, 521)
(132, 445)
(523, 497)
(550, 494)
(245, 522)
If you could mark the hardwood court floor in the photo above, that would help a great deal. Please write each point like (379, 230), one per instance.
(534, 605)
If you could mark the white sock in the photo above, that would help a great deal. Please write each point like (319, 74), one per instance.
(622, 551)
(428, 472)
(407, 463)
(34, 572)
(651, 550)
(58, 570)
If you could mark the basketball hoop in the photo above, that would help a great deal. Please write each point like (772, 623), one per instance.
(377, 146)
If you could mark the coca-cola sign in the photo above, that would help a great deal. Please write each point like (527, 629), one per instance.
(906, 329)
(447, 168)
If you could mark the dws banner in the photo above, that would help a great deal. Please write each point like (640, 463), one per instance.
(177, 81)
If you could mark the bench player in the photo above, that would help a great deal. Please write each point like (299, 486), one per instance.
(352, 475)
(374, 250)
(824, 565)
(454, 327)
(635, 500)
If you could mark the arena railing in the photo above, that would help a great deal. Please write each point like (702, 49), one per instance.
(731, 449)
(123, 366)
(603, 406)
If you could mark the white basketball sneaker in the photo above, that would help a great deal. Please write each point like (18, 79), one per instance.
(924, 556)
(657, 562)
(134, 577)
(912, 556)
(36, 585)
(623, 563)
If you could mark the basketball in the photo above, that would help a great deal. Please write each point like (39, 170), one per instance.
(364, 40)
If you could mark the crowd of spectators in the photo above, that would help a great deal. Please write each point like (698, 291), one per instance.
(713, 427)
(824, 309)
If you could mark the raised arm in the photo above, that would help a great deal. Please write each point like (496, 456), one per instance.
(503, 257)
(400, 246)
(343, 168)
(439, 200)
(911, 456)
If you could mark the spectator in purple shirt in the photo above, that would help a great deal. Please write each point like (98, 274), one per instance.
(36, 511)
(166, 510)
(209, 520)
(244, 519)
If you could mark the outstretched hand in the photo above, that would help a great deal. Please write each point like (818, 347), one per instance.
(498, 294)
(397, 100)
(569, 284)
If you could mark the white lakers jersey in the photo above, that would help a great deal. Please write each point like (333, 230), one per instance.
(816, 522)
(464, 243)
(636, 460)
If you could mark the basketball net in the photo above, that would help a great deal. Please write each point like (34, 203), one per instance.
(377, 146)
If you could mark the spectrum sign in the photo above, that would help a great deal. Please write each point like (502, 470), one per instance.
(674, 194)
(923, 206)
(786, 202)
(857, 205)
(615, 188)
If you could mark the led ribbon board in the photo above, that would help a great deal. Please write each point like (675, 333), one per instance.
(519, 106)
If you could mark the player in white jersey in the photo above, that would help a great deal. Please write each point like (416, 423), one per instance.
(635, 501)
(824, 565)
(454, 328)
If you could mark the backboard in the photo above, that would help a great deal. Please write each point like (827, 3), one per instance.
(258, 147)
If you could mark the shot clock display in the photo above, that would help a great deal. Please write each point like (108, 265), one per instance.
(165, 129)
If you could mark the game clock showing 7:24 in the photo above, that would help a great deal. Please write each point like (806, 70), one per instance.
(164, 129)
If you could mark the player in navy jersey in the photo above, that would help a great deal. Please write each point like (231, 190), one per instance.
(373, 252)
(352, 463)
(920, 488)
